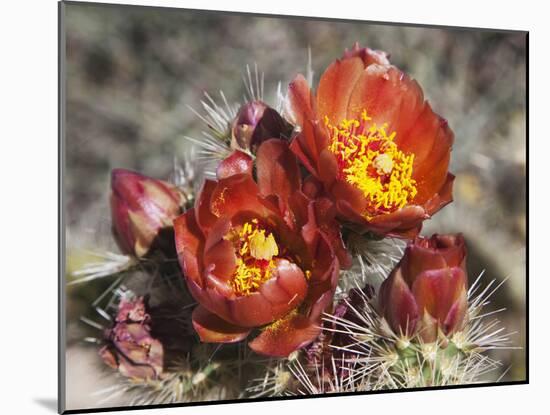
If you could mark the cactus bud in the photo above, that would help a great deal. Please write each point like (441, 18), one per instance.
(141, 207)
(427, 292)
(256, 122)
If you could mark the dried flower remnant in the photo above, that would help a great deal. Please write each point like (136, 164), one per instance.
(130, 347)
(141, 208)
(377, 147)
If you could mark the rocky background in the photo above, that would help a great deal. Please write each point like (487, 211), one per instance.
(132, 73)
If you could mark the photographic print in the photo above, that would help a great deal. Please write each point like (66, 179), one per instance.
(258, 207)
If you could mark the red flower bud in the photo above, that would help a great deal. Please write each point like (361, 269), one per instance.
(141, 207)
(256, 122)
(427, 292)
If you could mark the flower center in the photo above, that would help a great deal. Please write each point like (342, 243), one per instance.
(369, 159)
(255, 249)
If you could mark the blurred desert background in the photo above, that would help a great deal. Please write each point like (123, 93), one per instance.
(132, 72)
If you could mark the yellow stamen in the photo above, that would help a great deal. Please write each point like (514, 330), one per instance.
(383, 163)
(255, 252)
(370, 160)
(248, 278)
(283, 323)
(262, 247)
(220, 200)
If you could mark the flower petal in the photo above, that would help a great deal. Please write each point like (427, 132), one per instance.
(289, 283)
(437, 290)
(411, 106)
(236, 194)
(311, 187)
(204, 217)
(285, 336)
(367, 94)
(323, 280)
(276, 297)
(189, 245)
(217, 231)
(300, 149)
(418, 259)
(311, 140)
(299, 95)
(429, 183)
(429, 133)
(325, 212)
(398, 303)
(236, 163)
(351, 195)
(220, 259)
(452, 247)
(321, 293)
(324, 259)
(347, 213)
(336, 87)
(367, 55)
(441, 136)
(277, 169)
(442, 198)
(328, 167)
(213, 329)
(389, 96)
(457, 314)
(284, 291)
(403, 223)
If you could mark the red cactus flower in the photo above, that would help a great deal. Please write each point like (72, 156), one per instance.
(130, 347)
(369, 136)
(141, 207)
(256, 122)
(427, 292)
(254, 254)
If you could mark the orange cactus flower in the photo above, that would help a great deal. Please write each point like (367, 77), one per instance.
(255, 256)
(374, 143)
